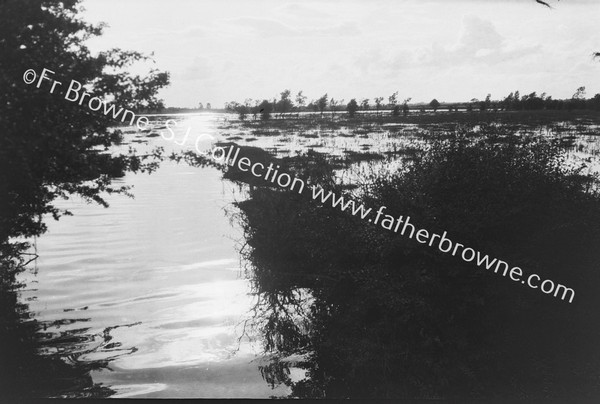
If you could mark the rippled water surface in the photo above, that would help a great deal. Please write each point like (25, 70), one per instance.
(157, 281)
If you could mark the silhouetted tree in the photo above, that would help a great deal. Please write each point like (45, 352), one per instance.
(579, 94)
(52, 148)
(378, 101)
(332, 105)
(255, 109)
(392, 102)
(300, 101)
(49, 147)
(285, 104)
(405, 108)
(484, 105)
(322, 103)
(365, 104)
(241, 109)
(352, 107)
(265, 108)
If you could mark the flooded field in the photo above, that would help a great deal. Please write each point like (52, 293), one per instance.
(153, 287)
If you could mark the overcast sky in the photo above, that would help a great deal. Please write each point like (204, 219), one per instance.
(224, 50)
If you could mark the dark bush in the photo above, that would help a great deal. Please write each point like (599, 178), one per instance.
(393, 318)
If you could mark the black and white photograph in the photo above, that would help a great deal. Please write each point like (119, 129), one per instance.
(300, 199)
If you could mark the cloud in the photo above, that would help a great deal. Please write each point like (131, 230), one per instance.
(480, 43)
(274, 29)
(425, 48)
(343, 29)
(301, 11)
(200, 69)
(388, 64)
(479, 34)
(263, 26)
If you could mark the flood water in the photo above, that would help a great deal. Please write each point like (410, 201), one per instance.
(155, 282)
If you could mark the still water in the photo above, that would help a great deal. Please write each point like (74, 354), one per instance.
(156, 280)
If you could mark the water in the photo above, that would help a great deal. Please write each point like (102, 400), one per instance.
(157, 281)
(154, 283)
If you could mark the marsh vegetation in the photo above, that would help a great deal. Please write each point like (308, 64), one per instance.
(369, 313)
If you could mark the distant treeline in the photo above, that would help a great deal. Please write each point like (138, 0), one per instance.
(287, 104)
(517, 102)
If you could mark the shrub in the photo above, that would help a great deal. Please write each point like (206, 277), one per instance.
(389, 317)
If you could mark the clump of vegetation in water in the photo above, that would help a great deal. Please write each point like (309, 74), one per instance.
(371, 313)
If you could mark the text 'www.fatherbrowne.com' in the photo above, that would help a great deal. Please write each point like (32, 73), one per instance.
(400, 224)
(75, 92)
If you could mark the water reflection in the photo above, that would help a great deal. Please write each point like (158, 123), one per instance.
(151, 287)
(39, 363)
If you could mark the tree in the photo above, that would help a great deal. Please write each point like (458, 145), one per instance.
(274, 105)
(473, 102)
(435, 104)
(50, 147)
(517, 100)
(208, 106)
(200, 106)
(393, 100)
(578, 99)
(313, 106)
(485, 105)
(248, 105)
(352, 107)
(255, 109)
(322, 103)
(405, 108)
(285, 104)
(579, 94)
(230, 106)
(332, 104)
(300, 101)
(378, 101)
(507, 103)
(241, 109)
(365, 104)
(265, 108)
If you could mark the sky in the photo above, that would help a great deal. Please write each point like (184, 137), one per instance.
(219, 51)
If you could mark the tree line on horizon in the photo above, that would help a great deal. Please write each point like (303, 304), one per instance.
(287, 104)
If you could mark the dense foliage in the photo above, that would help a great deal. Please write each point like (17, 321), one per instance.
(374, 314)
(51, 148)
